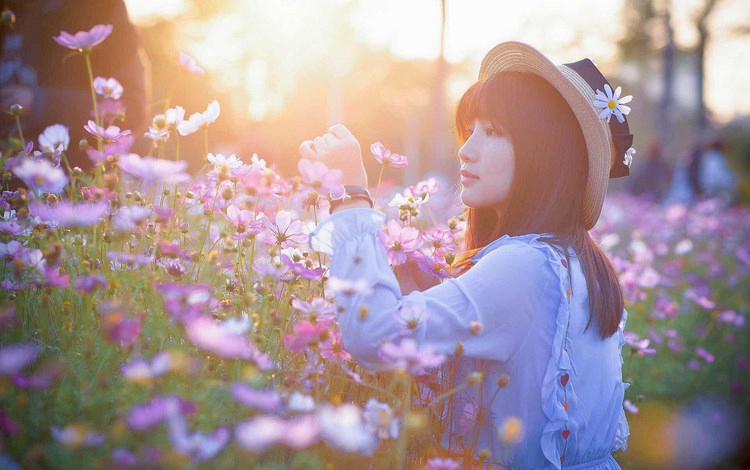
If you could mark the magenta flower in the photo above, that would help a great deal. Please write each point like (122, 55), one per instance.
(109, 135)
(147, 415)
(108, 88)
(284, 231)
(408, 356)
(399, 241)
(66, 214)
(705, 355)
(440, 240)
(43, 376)
(84, 40)
(306, 334)
(265, 400)
(333, 348)
(385, 157)
(319, 177)
(207, 334)
(14, 358)
(154, 169)
(188, 63)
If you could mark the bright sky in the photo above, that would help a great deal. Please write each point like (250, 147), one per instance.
(411, 29)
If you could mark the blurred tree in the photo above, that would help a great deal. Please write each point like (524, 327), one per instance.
(704, 34)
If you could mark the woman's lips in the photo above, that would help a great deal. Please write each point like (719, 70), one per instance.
(468, 174)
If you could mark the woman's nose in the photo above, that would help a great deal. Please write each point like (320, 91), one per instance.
(466, 153)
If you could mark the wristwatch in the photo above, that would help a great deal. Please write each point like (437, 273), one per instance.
(350, 192)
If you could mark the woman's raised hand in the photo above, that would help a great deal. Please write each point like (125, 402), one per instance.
(338, 149)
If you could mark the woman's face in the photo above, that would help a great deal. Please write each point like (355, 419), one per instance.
(487, 166)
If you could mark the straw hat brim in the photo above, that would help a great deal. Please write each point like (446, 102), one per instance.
(520, 57)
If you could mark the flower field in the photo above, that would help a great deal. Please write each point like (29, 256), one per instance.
(152, 318)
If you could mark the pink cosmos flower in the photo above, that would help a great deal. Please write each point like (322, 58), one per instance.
(385, 157)
(14, 358)
(318, 307)
(705, 355)
(426, 187)
(84, 40)
(440, 240)
(284, 231)
(399, 241)
(188, 63)
(67, 214)
(110, 150)
(143, 370)
(318, 176)
(109, 135)
(154, 169)
(147, 415)
(76, 435)
(333, 348)
(199, 446)
(443, 464)
(207, 334)
(130, 218)
(108, 88)
(260, 433)
(306, 334)
(41, 175)
(408, 356)
(245, 222)
(265, 400)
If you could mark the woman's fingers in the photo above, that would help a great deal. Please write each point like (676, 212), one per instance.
(319, 145)
(306, 150)
(329, 139)
(340, 131)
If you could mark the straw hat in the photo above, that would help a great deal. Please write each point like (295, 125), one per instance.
(601, 113)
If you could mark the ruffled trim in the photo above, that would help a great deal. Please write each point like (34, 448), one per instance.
(505, 239)
(344, 225)
(623, 430)
(558, 391)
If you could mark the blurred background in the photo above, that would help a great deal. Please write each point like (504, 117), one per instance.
(283, 71)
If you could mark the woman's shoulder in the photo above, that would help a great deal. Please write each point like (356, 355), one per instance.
(532, 245)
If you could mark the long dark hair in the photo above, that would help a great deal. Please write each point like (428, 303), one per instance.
(546, 195)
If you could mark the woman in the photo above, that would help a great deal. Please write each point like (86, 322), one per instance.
(537, 306)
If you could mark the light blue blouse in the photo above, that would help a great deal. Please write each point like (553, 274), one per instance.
(565, 384)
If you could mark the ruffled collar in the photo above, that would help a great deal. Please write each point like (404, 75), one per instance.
(505, 239)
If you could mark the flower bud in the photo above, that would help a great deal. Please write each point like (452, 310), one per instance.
(449, 258)
(16, 109)
(52, 199)
(8, 17)
(227, 193)
(83, 144)
(363, 312)
(475, 377)
(459, 349)
(484, 454)
(110, 181)
(166, 192)
(503, 381)
(476, 327)
(77, 171)
(190, 195)
(184, 227)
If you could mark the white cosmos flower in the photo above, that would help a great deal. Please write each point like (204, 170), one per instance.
(199, 120)
(611, 103)
(629, 156)
(54, 139)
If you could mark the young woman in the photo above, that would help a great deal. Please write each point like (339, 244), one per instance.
(537, 306)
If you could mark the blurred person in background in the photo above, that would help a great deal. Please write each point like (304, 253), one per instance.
(651, 178)
(51, 85)
(715, 178)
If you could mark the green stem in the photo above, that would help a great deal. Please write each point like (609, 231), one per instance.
(20, 132)
(86, 55)
(377, 188)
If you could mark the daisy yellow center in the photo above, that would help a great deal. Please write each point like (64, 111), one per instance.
(612, 104)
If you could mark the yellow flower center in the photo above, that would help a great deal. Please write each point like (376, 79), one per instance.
(612, 104)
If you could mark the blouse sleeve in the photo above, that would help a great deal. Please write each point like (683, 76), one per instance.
(490, 308)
